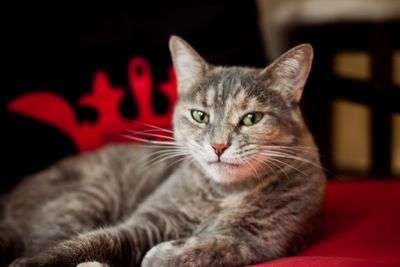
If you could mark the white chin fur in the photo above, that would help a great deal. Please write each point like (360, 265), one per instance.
(226, 174)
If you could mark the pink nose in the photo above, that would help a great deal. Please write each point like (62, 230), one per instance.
(219, 148)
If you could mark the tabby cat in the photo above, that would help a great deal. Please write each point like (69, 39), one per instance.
(238, 183)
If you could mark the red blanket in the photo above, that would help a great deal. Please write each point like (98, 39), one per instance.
(361, 227)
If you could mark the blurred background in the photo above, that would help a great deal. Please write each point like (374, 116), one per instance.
(352, 98)
(68, 69)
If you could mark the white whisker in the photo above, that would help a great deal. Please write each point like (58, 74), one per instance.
(139, 139)
(268, 161)
(262, 164)
(290, 156)
(168, 146)
(156, 154)
(152, 126)
(289, 149)
(254, 169)
(166, 157)
(271, 158)
(146, 133)
(179, 160)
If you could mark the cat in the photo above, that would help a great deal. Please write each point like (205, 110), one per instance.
(239, 182)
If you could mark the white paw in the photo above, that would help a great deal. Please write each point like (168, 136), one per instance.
(92, 264)
(159, 255)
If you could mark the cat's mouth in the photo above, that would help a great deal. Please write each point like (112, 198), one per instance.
(223, 163)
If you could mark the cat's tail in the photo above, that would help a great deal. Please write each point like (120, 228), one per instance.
(10, 244)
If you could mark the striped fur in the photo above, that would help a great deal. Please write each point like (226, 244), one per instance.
(180, 203)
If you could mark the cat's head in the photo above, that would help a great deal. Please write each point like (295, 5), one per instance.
(232, 120)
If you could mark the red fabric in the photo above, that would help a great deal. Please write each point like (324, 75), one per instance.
(111, 126)
(361, 228)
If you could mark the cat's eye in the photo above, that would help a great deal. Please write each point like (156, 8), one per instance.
(200, 116)
(251, 118)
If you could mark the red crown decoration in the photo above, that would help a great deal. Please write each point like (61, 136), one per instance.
(52, 109)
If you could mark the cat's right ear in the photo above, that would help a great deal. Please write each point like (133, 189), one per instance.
(189, 66)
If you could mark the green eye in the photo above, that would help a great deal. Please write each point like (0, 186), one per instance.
(200, 116)
(251, 118)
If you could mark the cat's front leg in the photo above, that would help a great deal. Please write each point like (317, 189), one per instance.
(107, 247)
(121, 245)
(217, 250)
(24, 262)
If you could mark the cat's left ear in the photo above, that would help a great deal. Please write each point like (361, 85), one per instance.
(189, 66)
(289, 72)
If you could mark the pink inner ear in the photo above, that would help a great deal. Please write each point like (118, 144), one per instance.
(299, 79)
(293, 69)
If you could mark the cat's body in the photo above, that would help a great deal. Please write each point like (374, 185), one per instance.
(240, 185)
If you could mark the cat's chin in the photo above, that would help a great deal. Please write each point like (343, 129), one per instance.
(227, 173)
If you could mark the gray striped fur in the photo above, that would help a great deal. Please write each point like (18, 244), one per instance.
(258, 200)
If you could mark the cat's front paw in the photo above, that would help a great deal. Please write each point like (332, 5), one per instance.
(92, 264)
(168, 254)
(157, 256)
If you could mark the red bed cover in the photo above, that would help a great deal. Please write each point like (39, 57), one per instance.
(361, 227)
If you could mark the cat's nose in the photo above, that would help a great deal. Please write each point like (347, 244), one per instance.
(219, 148)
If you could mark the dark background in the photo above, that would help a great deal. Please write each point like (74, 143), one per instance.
(59, 50)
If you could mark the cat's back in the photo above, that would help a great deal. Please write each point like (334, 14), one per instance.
(117, 171)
